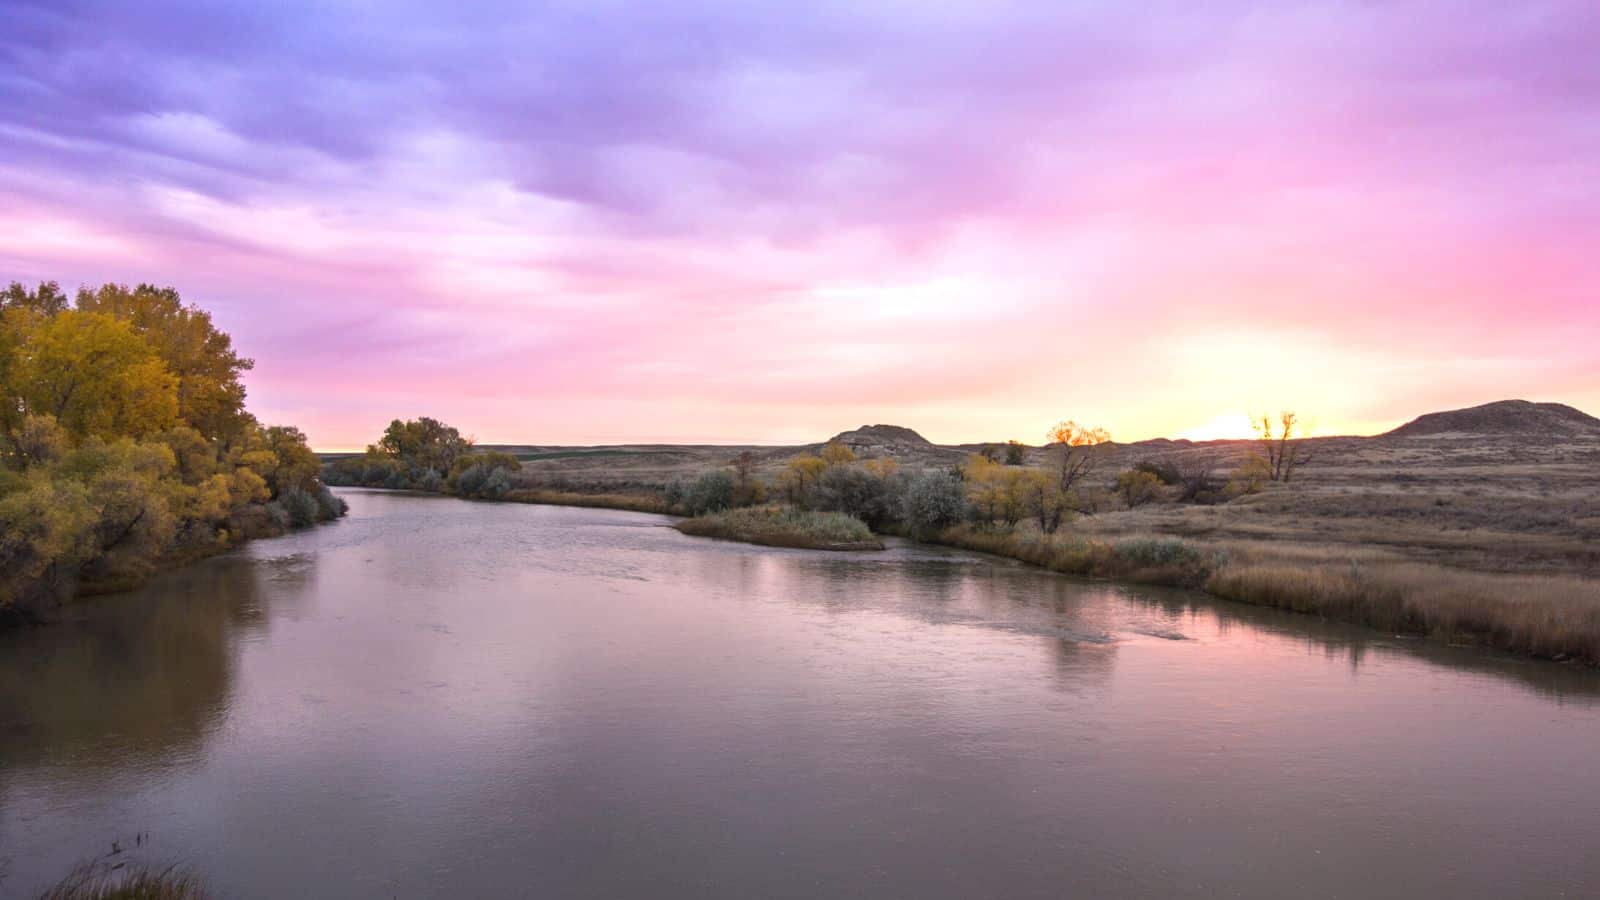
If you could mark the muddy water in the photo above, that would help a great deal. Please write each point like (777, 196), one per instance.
(436, 698)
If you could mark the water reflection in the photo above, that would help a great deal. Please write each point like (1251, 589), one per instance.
(122, 683)
(442, 698)
(1356, 645)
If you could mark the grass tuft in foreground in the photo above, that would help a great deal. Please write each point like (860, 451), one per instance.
(101, 882)
(784, 526)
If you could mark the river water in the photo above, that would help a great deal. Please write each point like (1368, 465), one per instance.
(435, 698)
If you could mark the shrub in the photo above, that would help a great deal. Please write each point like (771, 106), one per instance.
(487, 463)
(277, 516)
(933, 501)
(711, 492)
(329, 506)
(1137, 487)
(470, 480)
(1159, 552)
(428, 480)
(496, 486)
(676, 492)
(379, 471)
(1163, 471)
(857, 492)
(301, 507)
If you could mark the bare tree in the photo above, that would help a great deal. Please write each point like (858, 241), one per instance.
(1279, 450)
(1196, 479)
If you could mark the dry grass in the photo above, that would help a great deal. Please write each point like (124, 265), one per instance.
(98, 881)
(1146, 560)
(651, 503)
(784, 526)
(1549, 616)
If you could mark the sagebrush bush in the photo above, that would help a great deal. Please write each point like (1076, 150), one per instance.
(1159, 552)
(857, 492)
(676, 492)
(301, 506)
(712, 492)
(329, 506)
(932, 501)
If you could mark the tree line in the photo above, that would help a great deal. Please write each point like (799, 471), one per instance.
(995, 487)
(427, 455)
(125, 444)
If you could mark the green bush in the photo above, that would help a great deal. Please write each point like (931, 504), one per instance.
(711, 492)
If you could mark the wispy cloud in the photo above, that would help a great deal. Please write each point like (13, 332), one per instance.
(604, 221)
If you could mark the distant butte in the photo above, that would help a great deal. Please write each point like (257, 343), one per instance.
(1504, 417)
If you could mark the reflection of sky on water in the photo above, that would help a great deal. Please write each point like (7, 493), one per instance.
(435, 696)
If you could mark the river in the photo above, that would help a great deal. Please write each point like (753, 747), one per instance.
(436, 698)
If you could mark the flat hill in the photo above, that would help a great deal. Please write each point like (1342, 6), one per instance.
(882, 436)
(1506, 417)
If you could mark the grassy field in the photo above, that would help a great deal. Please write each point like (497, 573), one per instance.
(784, 526)
(1497, 503)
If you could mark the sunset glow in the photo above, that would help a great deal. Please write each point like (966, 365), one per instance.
(609, 222)
(1225, 427)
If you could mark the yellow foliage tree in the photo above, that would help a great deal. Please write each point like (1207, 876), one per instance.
(96, 376)
(124, 441)
(201, 358)
(837, 454)
(800, 474)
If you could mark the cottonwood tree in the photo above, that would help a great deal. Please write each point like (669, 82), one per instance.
(1075, 445)
(124, 443)
(1278, 448)
(801, 473)
(1045, 500)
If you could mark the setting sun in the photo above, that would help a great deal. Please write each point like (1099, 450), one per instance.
(1226, 427)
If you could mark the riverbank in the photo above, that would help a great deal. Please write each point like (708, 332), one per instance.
(784, 526)
(1554, 617)
(1546, 616)
(633, 502)
(55, 590)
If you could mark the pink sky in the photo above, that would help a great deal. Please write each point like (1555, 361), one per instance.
(727, 222)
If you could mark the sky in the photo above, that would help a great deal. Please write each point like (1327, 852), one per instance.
(724, 222)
